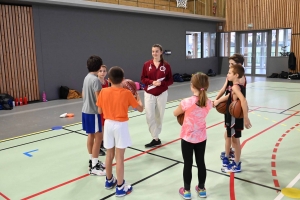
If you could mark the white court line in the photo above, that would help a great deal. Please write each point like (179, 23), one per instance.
(291, 184)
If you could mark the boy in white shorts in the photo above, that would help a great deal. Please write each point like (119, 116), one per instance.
(113, 102)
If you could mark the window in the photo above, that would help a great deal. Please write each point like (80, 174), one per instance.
(193, 45)
(227, 44)
(224, 47)
(281, 42)
(209, 45)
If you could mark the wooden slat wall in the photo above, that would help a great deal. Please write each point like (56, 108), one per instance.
(18, 69)
(203, 7)
(265, 15)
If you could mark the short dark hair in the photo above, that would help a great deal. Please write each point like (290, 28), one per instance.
(94, 63)
(116, 75)
(237, 58)
(238, 69)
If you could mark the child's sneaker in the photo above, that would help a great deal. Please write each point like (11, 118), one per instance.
(201, 192)
(110, 184)
(98, 169)
(231, 155)
(225, 162)
(233, 168)
(90, 165)
(123, 190)
(185, 194)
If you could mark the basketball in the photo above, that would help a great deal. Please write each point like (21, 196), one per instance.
(129, 85)
(221, 107)
(180, 119)
(235, 109)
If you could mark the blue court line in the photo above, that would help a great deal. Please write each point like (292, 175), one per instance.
(27, 153)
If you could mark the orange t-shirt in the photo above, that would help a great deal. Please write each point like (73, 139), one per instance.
(114, 103)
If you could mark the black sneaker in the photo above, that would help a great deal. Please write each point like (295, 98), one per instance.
(153, 143)
(101, 153)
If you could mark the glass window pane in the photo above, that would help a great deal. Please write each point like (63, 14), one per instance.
(232, 43)
(273, 45)
(193, 45)
(212, 44)
(224, 44)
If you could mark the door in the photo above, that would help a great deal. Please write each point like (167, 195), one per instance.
(253, 45)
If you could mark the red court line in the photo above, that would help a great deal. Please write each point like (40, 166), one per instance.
(232, 194)
(83, 176)
(276, 183)
(250, 138)
(273, 162)
(231, 188)
(5, 197)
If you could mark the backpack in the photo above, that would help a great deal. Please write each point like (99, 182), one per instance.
(211, 73)
(6, 102)
(63, 92)
(186, 77)
(283, 75)
(177, 78)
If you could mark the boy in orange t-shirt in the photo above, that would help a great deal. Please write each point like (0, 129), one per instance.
(113, 102)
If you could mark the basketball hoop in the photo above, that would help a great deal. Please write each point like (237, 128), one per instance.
(181, 3)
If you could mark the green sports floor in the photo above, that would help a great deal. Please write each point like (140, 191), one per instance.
(37, 162)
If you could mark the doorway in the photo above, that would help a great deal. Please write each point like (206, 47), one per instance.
(253, 45)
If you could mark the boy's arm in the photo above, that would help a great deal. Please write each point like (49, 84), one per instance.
(178, 110)
(140, 107)
(222, 90)
(236, 90)
(223, 98)
(99, 110)
(96, 95)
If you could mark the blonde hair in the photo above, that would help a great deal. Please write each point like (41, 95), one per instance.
(201, 83)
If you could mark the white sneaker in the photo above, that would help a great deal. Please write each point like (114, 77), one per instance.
(98, 170)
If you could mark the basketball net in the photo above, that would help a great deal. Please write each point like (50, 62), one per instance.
(181, 3)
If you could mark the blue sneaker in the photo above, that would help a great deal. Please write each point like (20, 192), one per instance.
(233, 167)
(231, 155)
(110, 184)
(201, 192)
(123, 190)
(185, 194)
(225, 162)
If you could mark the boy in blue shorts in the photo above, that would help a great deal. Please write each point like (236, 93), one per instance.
(91, 119)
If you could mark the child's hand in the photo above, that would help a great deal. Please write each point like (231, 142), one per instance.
(215, 103)
(247, 123)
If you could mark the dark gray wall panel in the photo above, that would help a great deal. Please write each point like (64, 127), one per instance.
(66, 36)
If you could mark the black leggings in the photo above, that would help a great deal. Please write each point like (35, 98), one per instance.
(187, 149)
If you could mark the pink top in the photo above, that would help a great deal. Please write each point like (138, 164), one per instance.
(194, 125)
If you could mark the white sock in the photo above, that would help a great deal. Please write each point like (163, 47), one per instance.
(91, 157)
(94, 161)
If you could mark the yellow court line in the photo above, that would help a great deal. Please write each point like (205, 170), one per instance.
(29, 134)
(38, 132)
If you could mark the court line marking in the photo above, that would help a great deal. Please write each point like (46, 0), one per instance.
(291, 184)
(273, 158)
(216, 172)
(231, 184)
(143, 179)
(38, 132)
(5, 197)
(83, 176)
